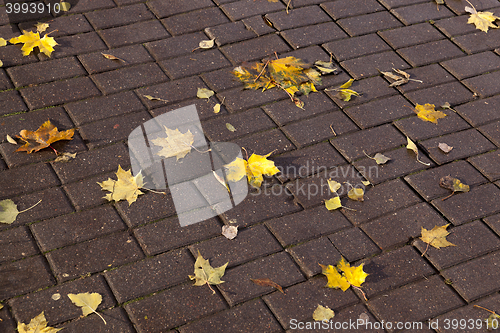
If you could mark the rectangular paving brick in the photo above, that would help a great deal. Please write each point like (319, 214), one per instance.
(454, 93)
(63, 25)
(313, 35)
(354, 244)
(175, 46)
(459, 6)
(492, 132)
(87, 193)
(484, 85)
(479, 202)
(257, 25)
(466, 143)
(194, 21)
(131, 55)
(371, 141)
(309, 254)
(163, 9)
(488, 164)
(370, 89)
(25, 183)
(94, 256)
(195, 63)
(302, 299)
(473, 65)
(45, 71)
(473, 279)
(416, 302)
(455, 26)
(150, 275)
(76, 45)
(299, 17)
(173, 91)
(430, 75)
(238, 287)
(379, 200)
(23, 276)
(364, 24)
(18, 243)
(481, 111)
(478, 41)
(114, 17)
(238, 10)
(305, 225)
(255, 49)
(411, 35)
(10, 56)
(221, 79)
(173, 307)
(90, 5)
(262, 142)
(230, 33)
(343, 8)
(354, 47)
(11, 102)
(59, 92)
(399, 227)
(366, 66)
(252, 316)
(134, 33)
(472, 240)
(428, 53)
(167, 234)
(116, 321)
(420, 13)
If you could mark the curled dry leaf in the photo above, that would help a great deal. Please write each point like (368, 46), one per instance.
(323, 313)
(325, 67)
(229, 231)
(112, 57)
(413, 147)
(220, 179)
(356, 194)
(175, 144)
(37, 325)
(204, 93)
(41, 27)
(436, 237)
(453, 184)
(268, 283)
(426, 112)
(10, 140)
(65, 157)
(207, 44)
(152, 98)
(88, 302)
(444, 147)
(43, 137)
(344, 93)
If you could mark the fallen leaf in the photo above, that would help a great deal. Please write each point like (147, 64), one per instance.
(426, 112)
(335, 279)
(206, 274)
(111, 57)
(325, 67)
(217, 108)
(444, 147)
(413, 147)
(221, 180)
(482, 20)
(378, 158)
(43, 137)
(436, 237)
(229, 231)
(41, 27)
(204, 93)
(65, 6)
(175, 144)
(344, 93)
(56, 296)
(453, 184)
(333, 185)
(268, 283)
(9, 212)
(10, 140)
(343, 275)
(333, 203)
(366, 182)
(88, 302)
(32, 40)
(152, 98)
(3, 42)
(256, 166)
(65, 157)
(492, 321)
(37, 325)
(356, 194)
(230, 127)
(323, 313)
(125, 188)
(207, 44)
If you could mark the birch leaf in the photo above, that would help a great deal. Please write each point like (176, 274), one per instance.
(65, 6)
(207, 44)
(230, 127)
(413, 147)
(333, 185)
(88, 302)
(217, 108)
(356, 194)
(204, 93)
(9, 212)
(333, 203)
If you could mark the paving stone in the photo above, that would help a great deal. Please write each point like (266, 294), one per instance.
(221, 79)
(175, 46)
(238, 288)
(459, 6)
(354, 47)
(379, 111)
(481, 111)
(398, 3)
(45, 71)
(94, 256)
(341, 9)
(399, 227)
(484, 85)
(299, 17)
(454, 26)
(174, 307)
(417, 129)
(99, 108)
(112, 129)
(492, 132)
(7, 324)
(134, 33)
(116, 321)
(317, 129)
(306, 225)
(75, 228)
(479, 202)
(162, 9)
(129, 78)
(300, 3)
(252, 316)
(367, 66)
(478, 41)
(76, 44)
(230, 33)
(196, 63)
(415, 302)
(301, 300)
(173, 91)
(353, 244)
(17, 243)
(313, 35)
(257, 25)
(308, 255)
(379, 200)
(238, 10)
(11, 102)
(5, 82)
(427, 183)
(472, 240)
(118, 16)
(255, 49)
(453, 93)
(364, 24)
(371, 141)
(467, 143)
(10, 56)
(475, 278)
(22, 276)
(262, 142)
(205, 108)
(167, 234)
(87, 193)
(63, 25)
(420, 13)
(488, 164)
(150, 275)
(25, 183)
(493, 222)
(472, 65)
(428, 53)
(131, 55)
(411, 35)
(90, 5)
(148, 207)
(57, 311)
(194, 20)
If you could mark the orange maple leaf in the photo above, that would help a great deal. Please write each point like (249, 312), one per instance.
(43, 137)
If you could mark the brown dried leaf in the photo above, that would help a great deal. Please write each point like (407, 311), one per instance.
(112, 57)
(43, 137)
(267, 283)
(444, 147)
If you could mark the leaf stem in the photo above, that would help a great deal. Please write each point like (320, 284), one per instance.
(262, 71)
(333, 130)
(361, 290)
(94, 311)
(478, 306)
(147, 189)
(368, 155)
(288, 5)
(30, 207)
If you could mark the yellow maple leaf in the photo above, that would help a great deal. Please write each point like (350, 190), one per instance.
(31, 40)
(37, 325)
(175, 144)
(482, 20)
(426, 112)
(436, 237)
(206, 274)
(256, 166)
(288, 69)
(354, 275)
(125, 188)
(335, 280)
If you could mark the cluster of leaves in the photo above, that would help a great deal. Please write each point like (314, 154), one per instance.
(32, 39)
(253, 169)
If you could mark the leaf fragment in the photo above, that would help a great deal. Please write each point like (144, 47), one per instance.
(413, 147)
(206, 274)
(344, 93)
(65, 6)
(3, 42)
(41, 27)
(65, 157)
(230, 127)
(126, 187)
(221, 180)
(333, 203)
(254, 169)
(333, 185)
(323, 313)
(152, 98)
(37, 325)
(492, 321)
(436, 237)
(217, 108)
(482, 20)
(356, 194)
(426, 112)
(112, 57)
(229, 231)
(204, 93)
(267, 283)
(43, 137)
(10, 140)
(444, 147)
(325, 67)
(88, 302)
(175, 144)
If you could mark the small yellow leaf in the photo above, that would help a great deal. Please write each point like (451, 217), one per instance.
(366, 182)
(323, 313)
(206, 44)
(335, 280)
(347, 84)
(230, 127)
(3, 42)
(378, 158)
(346, 94)
(333, 185)
(413, 147)
(125, 188)
(426, 112)
(217, 108)
(354, 275)
(41, 27)
(333, 203)
(88, 302)
(65, 6)
(356, 194)
(482, 20)
(10, 140)
(204, 93)
(37, 325)
(436, 237)
(325, 67)
(65, 157)
(152, 98)
(254, 169)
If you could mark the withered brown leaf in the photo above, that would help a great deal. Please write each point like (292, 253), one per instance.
(267, 283)
(43, 137)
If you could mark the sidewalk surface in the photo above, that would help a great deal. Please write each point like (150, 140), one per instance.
(139, 258)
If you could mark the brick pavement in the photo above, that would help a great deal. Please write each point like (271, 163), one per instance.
(138, 257)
